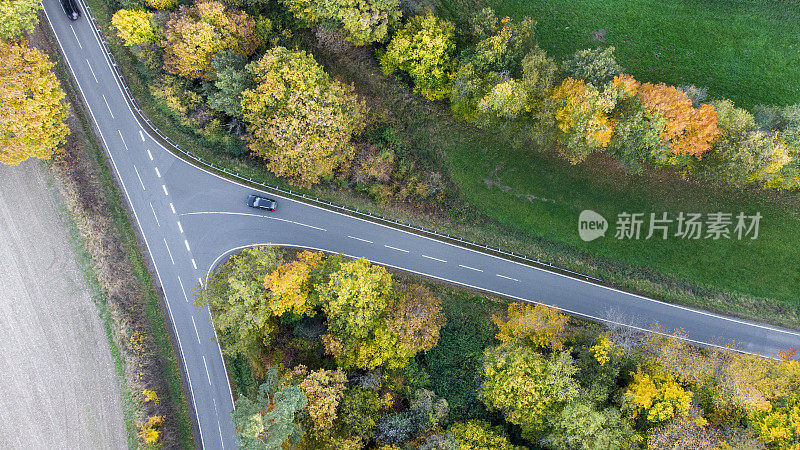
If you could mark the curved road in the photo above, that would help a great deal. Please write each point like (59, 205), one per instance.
(191, 219)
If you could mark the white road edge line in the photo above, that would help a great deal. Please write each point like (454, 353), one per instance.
(207, 374)
(154, 215)
(76, 36)
(169, 252)
(139, 177)
(435, 259)
(359, 239)
(507, 278)
(470, 268)
(195, 331)
(108, 106)
(92, 70)
(398, 249)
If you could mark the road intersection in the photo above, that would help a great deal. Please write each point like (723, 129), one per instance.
(191, 219)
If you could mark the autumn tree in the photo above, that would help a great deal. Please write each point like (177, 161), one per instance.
(324, 390)
(134, 26)
(580, 425)
(354, 301)
(526, 386)
(195, 33)
(743, 153)
(291, 284)
(358, 412)
(581, 115)
(424, 48)
(539, 326)
(688, 131)
(479, 435)
(162, 4)
(363, 21)
(655, 396)
(778, 423)
(416, 316)
(596, 66)
(17, 17)
(32, 107)
(300, 120)
(240, 303)
(269, 421)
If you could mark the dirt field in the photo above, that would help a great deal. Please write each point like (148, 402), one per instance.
(59, 387)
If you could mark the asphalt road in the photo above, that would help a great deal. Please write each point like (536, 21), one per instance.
(192, 219)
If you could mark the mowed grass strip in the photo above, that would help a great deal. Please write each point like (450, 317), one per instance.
(542, 196)
(745, 50)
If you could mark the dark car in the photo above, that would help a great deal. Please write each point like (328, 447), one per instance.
(71, 9)
(254, 201)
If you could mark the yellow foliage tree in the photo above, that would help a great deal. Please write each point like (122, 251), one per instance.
(778, 423)
(150, 396)
(150, 432)
(32, 110)
(537, 325)
(581, 114)
(162, 4)
(134, 26)
(290, 284)
(324, 390)
(655, 396)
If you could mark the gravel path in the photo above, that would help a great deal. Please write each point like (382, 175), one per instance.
(58, 385)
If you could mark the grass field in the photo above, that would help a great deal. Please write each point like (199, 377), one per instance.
(745, 50)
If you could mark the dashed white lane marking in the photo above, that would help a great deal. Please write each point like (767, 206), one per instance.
(185, 297)
(108, 106)
(309, 226)
(165, 190)
(200, 281)
(76, 36)
(195, 330)
(180, 227)
(169, 252)
(395, 248)
(359, 239)
(158, 174)
(149, 154)
(219, 427)
(139, 177)
(194, 264)
(507, 278)
(92, 70)
(172, 207)
(142, 136)
(154, 215)
(470, 268)
(207, 374)
(435, 259)
(185, 241)
(123, 140)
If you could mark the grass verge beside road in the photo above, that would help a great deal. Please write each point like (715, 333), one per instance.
(106, 246)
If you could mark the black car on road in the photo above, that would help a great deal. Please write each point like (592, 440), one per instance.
(254, 201)
(71, 9)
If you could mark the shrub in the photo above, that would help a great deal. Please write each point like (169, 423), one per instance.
(596, 66)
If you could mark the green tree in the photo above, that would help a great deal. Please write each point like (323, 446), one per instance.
(240, 303)
(581, 426)
(32, 107)
(269, 422)
(300, 120)
(424, 48)
(358, 413)
(527, 387)
(596, 66)
(363, 21)
(195, 33)
(17, 17)
(134, 26)
(230, 79)
(479, 435)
